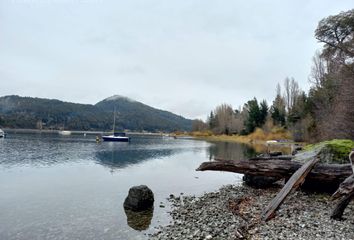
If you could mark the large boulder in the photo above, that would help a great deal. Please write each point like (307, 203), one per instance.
(140, 198)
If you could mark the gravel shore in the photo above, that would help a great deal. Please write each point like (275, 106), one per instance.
(233, 212)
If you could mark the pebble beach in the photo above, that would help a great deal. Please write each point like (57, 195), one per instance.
(234, 212)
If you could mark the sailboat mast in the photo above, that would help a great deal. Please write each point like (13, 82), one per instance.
(114, 120)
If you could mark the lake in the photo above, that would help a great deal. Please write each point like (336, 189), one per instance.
(70, 187)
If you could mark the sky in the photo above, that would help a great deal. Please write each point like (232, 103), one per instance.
(184, 56)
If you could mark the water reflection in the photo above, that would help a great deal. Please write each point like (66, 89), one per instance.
(121, 158)
(236, 151)
(229, 151)
(139, 220)
(38, 150)
(60, 187)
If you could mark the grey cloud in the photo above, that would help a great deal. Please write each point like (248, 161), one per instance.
(182, 56)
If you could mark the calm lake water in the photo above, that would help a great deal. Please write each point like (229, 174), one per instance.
(70, 187)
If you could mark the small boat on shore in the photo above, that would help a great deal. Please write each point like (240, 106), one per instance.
(64, 133)
(2, 134)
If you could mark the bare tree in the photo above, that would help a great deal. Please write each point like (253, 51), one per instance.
(318, 70)
(333, 77)
(287, 93)
(225, 120)
(199, 125)
(224, 115)
(291, 93)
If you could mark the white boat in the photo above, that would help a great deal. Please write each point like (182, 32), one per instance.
(64, 132)
(116, 136)
(2, 133)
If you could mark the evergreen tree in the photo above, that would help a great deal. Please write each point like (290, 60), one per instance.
(277, 110)
(263, 112)
(254, 116)
(211, 121)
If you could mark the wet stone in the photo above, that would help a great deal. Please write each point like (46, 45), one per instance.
(140, 198)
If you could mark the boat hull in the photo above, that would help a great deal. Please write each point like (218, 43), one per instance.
(115, 139)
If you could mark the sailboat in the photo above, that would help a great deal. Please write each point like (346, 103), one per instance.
(116, 136)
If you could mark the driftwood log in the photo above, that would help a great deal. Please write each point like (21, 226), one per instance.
(293, 183)
(338, 211)
(345, 192)
(281, 167)
(324, 173)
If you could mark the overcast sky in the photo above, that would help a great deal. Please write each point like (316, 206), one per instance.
(182, 56)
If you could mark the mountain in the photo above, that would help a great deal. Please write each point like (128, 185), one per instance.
(136, 115)
(28, 112)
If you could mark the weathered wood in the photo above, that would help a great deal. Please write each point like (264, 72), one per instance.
(293, 183)
(351, 159)
(345, 191)
(345, 188)
(338, 211)
(325, 173)
(282, 157)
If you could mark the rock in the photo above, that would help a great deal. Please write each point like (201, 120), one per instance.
(140, 198)
(334, 151)
(302, 216)
(139, 220)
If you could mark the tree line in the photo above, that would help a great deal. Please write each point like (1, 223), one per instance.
(325, 112)
(39, 113)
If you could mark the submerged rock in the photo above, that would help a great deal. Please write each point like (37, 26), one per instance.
(140, 198)
(139, 220)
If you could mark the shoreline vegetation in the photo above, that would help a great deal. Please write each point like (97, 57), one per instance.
(323, 112)
(257, 140)
(257, 137)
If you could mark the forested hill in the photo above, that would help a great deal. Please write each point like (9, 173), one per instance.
(28, 112)
(135, 115)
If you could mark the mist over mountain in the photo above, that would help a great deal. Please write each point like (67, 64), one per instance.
(40, 113)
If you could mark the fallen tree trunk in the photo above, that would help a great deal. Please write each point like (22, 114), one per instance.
(345, 191)
(324, 173)
(337, 213)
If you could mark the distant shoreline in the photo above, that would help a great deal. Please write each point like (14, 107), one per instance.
(75, 132)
